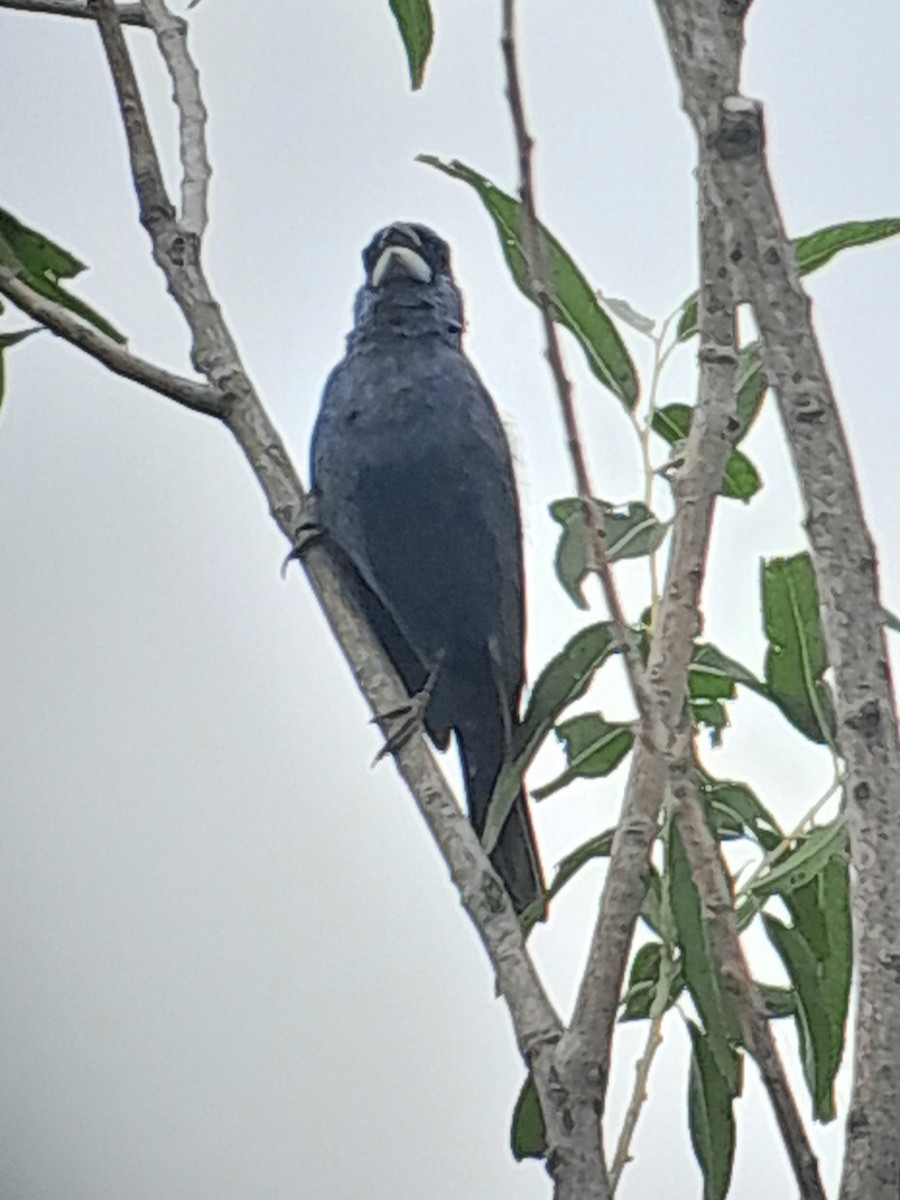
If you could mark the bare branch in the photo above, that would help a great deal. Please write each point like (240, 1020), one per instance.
(537, 271)
(171, 34)
(717, 902)
(129, 14)
(700, 33)
(536, 1025)
(200, 397)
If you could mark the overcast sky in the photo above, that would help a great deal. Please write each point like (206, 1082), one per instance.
(232, 965)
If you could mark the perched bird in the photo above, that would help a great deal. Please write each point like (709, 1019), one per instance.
(416, 496)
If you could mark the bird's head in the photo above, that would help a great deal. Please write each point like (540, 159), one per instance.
(409, 285)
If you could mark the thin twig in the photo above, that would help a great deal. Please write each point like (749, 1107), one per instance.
(537, 270)
(129, 14)
(171, 34)
(200, 397)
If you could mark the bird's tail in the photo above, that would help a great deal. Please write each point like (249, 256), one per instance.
(515, 856)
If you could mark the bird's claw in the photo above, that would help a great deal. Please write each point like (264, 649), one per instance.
(411, 717)
(309, 530)
(411, 720)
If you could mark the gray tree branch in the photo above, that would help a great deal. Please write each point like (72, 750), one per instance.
(201, 397)
(702, 34)
(230, 395)
(129, 14)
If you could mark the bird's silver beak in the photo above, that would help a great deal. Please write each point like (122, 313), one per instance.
(400, 258)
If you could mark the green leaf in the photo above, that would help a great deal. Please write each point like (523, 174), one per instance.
(741, 480)
(751, 388)
(837, 968)
(812, 251)
(597, 847)
(710, 1113)
(734, 807)
(796, 660)
(817, 953)
(631, 531)
(35, 252)
(594, 748)
(699, 964)
(813, 1025)
(564, 679)
(574, 302)
(7, 340)
(652, 911)
(711, 713)
(709, 660)
(778, 1001)
(688, 322)
(643, 983)
(41, 264)
(528, 1135)
(416, 27)
(816, 249)
(672, 422)
(811, 854)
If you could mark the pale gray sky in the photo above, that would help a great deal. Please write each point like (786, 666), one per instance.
(231, 963)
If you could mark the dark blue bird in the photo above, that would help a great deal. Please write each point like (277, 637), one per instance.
(416, 496)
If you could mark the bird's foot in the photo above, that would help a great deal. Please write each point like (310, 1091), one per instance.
(309, 530)
(409, 717)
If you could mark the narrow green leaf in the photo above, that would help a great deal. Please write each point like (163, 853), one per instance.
(688, 322)
(11, 339)
(814, 1027)
(708, 684)
(816, 249)
(7, 340)
(564, 679)
(574, 301)
(812, 251)
(571, 561)
(643, 983)
(41, 263)
(837, 967)
(631, 531)
(416, 27)
(800, 866)
(652, 910)
(701, 973)
(820, 913)
(710, 659)
(594, 748)
(779, 1002)
(34, 252)
(711, 713)
(796, 660)
(710, 1113)
(734, 806)
(751, 388)
(597, 847)
(528, 1134)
